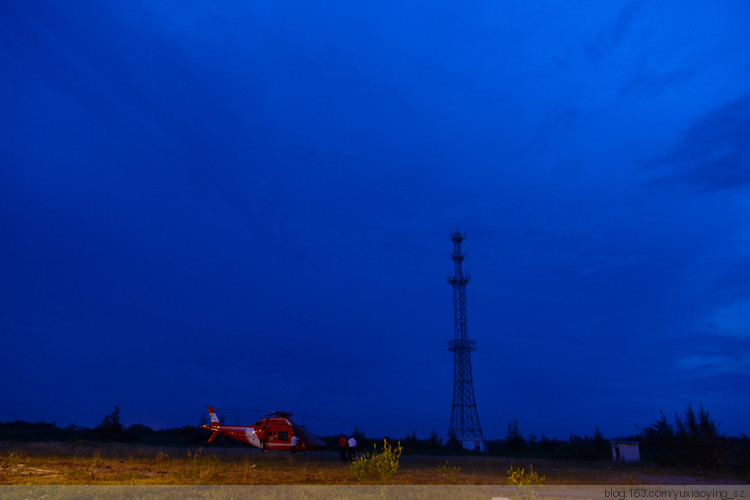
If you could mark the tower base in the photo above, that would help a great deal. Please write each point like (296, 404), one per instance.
(467, 443)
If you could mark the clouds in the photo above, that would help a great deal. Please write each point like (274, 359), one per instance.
(249, 173)
(713, 154)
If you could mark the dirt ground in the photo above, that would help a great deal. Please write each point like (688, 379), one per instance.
(103, 463)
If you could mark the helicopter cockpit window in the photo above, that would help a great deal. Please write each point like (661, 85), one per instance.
(283, 436)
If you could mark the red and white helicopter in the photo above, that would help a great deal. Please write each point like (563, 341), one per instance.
(273, 432)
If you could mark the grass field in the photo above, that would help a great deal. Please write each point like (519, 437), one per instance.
(104, 463)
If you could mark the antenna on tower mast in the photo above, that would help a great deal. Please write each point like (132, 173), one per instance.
(464, 424)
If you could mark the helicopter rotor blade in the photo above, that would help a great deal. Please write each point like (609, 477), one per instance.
(266, 413)
(278, 412)
(247, 411)
(324, 418)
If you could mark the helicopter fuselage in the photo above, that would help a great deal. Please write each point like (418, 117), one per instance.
(270, 433)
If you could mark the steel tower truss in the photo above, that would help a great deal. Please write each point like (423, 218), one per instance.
(464, 416)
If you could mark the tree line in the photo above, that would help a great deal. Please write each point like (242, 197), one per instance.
(692, 438)
(109, 429)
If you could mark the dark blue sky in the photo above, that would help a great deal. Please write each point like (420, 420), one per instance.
(247, 204)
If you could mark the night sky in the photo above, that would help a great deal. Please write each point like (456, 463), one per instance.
(248, 205)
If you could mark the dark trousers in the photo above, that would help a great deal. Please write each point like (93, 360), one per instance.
(352, 452)
(342, 449)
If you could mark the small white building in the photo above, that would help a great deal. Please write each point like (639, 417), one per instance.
(625, 451)
(473, 444)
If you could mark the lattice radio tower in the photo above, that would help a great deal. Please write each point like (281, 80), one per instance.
(464, 416)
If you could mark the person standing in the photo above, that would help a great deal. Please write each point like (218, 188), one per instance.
(293, 447)
(352, 448)
(343, 445)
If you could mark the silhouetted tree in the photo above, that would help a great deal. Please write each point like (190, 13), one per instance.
(410, 441)
(434, 439)
(137, 432)
(546, 443)
(660, 432)
(600, 444)
(454, 443)
(694, 440)
(706, 426)
(513, 440)
(658, 441)
(110, 428)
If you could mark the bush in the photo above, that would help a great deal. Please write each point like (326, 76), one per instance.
(519, 477)
(376, 466)
(448, 473)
